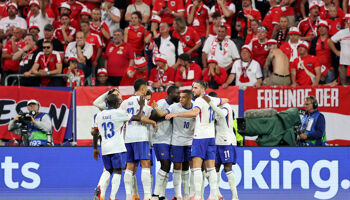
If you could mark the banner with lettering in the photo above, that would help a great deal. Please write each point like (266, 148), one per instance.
(56, 103)
(332, 102)
(85, 111)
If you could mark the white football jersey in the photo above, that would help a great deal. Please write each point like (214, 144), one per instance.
(224, 127)
(163, 135)
(110, 124)
(183, 128)
(205, 120)
(135, 131)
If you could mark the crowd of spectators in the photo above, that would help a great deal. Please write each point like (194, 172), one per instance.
(175, 42)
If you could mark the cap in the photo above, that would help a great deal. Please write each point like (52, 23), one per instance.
(34, 2)
(74, 59)
(49, 27)
(272, 41)
(85, 11)
(294, 30)
(34, 25)
(65, 5)
(156, 18)
(347, 16)
(140, 62)
(313, 4)
(247, 47)
(212, 59)
(161, 57)
(12, 5)
(32, 101)
(303, 44)
(323, 23)
(263, 28)
(102, 71)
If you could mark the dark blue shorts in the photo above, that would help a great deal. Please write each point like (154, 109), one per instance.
(137, 151)
(180, 154)
(225, 154)
(162, 151)
(114, 161)
(204, 148)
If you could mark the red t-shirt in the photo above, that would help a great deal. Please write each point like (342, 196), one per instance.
(218, 78)
(287, 11)
(118, 58)
(253, 12)
(306, 27)
(260, 52)
(212, 32)
(310, 63)
(76, 76)
(76, 9)
(9, 64)
(164, 77)
(272, 18)
(59, 35)
(48, 64)
(126, 80)
(228, 20)
(96, 43)
(55, 5)
(324, 14)
(191, 74)
(74, 23)
(286, 49)
(189, 39)
(136, 38)
(335, 25)
(201, 15)
(3, 10)
(323, 53)
(97, 30)
(173, 5)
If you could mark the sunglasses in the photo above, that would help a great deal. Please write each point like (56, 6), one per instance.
(220, 46)
(46, 47)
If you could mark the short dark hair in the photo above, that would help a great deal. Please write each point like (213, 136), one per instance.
(112, 100)
(185, 57)
(216, 15)
(48, 42)
(213, 94)
(64, 15)
(84, 22)
(139, 15)
(201, 83)
(35, 39)
(223, 26)
(171, 89)
(189, 92)
(138, 83)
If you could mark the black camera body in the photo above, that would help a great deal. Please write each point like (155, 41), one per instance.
(26, 118)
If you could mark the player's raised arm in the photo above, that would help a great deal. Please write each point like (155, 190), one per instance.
(217, 110)
(189, 114)
(140, 117)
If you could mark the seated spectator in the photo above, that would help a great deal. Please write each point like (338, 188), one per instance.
(11, 47)
(216, 23)
(259, 46)
(95, 41)
(246, 70)
(252, 32)
(34, 29)
(102, 77)
(7, 24)
(48, 36)
(281, 35)
(198, 18)
(110, 15)
(65, 33)
(121, 53)
(214, 75)
(76, 75)
(306, 69)
(64, 9)
(335, 23)
(140, 6)
(153, 31)
(308, 26)
(280, 75)
(85, 14)
(245, 16)
(272, 18)
(134, 72)
(168, 10)
(48, 62)
(187, 72)
(99, 28)
(226, 8)
(290, 48)
(162, 76)
(135, 34)
(38, 15)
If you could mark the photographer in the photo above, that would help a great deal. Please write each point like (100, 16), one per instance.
(35, 126)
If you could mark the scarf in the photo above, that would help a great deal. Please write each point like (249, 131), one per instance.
(215, 43)
(244, 77)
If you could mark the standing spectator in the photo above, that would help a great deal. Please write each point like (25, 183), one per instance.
(198, 18)
(290, 48)
(7, 24)
(216, 23)
(163, 76)
(223, 49)
(246, 70)
(342, 36)
(65, 33)
(3, 9)
(98, 27)
(11, 47)
(39, 16)
(226, 8)
(188, 37)
(27, 56)
(64, 9)
(34, 29)
(48, 36)
(76, 8)
(110, 15)
(168, 10)
(121, 53)
(288, 11)
(335, 23)
(281, 35)
(153, 31)
(308, 26)
(325, 10)
(214, 75)
(272, 18)
(83, 51)
(134, 72)
(48, 62)
(259, 46)
(85, 14)
(141, 7)
(188, 72)
(76, 75)
(252, 32)
(245, 16)
(135, 34)
(102, 77)
(306, 69)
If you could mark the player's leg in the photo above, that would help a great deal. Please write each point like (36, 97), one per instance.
(185, 179)
(177, 157)
(118, 162)
(162, 155)
(218, 163)
(198, 154)
(102, 184)
(210, 166)
(130, 167)
(143, 154)
(231, 159)
(165, 166)
(107, 163)
(135, 191)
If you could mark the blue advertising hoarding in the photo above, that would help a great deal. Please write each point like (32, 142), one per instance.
(261, 173)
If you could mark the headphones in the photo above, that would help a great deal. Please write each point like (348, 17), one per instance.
(313, 101)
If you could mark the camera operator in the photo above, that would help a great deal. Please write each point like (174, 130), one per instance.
(312, 130)
(35, 126)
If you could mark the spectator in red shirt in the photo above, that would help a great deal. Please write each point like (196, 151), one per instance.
(76, 75)
(102, 77)
(76, 8)
(226, 8)
(188, 37)
(137, 71)
(94, 40)
(214, 75)
(308, 26)
(288, 11)
(187, 72)
(168, 10)
(65, 9)
(335, 23)
(121, 53)
(306, 69)
(198, 18)
(85, 14)
(135, 34)
(325, 9)
(272, 18)
(217, 22)
(98, 27)
(162, 76)
(65, 33)
(252, 32)
(3, 9)
(34, 30)
(245, 16)
(259, 46)
(290, 48)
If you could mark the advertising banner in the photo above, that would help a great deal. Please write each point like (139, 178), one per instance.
(260, 173)
(332, 102)
(56, 103)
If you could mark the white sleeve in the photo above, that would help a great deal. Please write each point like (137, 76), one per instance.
(232, 7)
(116, 12)
(219, 111)
(147, 110)
(88, 51)
(23, 24)
(100, 101)
(336, 37)
(68, 53)
(122, 115)
(95, 122)
(124, 105)
(212, 10)
(258, 71)
(198, 103)
(206, 46)
(234, 51)
(234, 67)
(180, 49)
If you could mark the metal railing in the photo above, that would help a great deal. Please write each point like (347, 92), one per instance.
(19, 76)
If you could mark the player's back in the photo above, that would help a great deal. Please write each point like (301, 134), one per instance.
(224, 127)
(163, 135)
